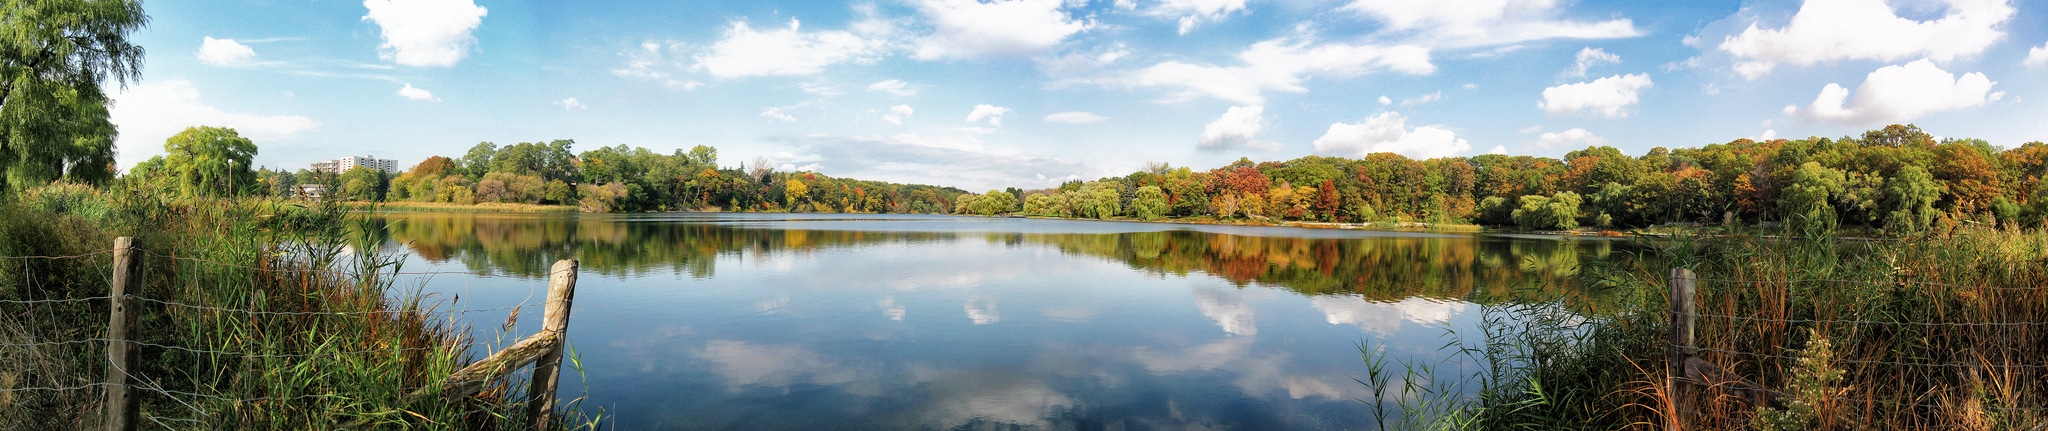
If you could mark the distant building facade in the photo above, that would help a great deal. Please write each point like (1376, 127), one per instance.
(346, 163)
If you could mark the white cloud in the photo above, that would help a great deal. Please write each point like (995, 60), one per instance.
(1606, 97)
(1080, 64)
(1279, 65)
(1228, 308)
(1193, 13)
(992, 113)
(1589, 57)
(1418, 100)
(1238, 128)
(959, 161)
(895, 87)
(147, 114)
(224, 52)
(2037, 56)
(571, 104)
(425, 32)
(786, 51)
(1486, 22)
(1898, 94)
(1075, 117)
(651, 62)
(1498, 149)
(1385, 318)
(982, 311)
(781, 113)
(1388, 132)
(1832, 30)
(897, 114)
(1572, 138)
(1386, 101)
(972, 29)
(415, 93)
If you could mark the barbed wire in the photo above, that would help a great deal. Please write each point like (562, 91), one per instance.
(1873, 362)
(74, 256)
(326, 313)
(67, 388)
(281, 355)
(1869, 282)
(50, 301)
(56, 343)
(1864, 322)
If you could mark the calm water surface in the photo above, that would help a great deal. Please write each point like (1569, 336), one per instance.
(738, 321)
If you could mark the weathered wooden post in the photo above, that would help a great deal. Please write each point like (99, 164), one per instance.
(561, 292)
(120, 408)
(1682, 290)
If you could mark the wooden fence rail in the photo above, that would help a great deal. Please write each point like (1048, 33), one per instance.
(542, 349)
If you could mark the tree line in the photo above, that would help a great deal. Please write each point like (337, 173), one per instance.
(1896, 179)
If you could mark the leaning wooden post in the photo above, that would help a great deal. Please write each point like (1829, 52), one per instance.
(120, 407)
(1682, 290)
(561, 292)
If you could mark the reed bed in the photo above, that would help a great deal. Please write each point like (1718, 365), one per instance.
(253, 315)
(1937, 330)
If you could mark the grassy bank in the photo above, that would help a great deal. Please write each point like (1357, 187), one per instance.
(253, 315)
(488, 207)
(1941, 330)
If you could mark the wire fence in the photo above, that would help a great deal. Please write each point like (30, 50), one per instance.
(189, 399)
(1948, 353)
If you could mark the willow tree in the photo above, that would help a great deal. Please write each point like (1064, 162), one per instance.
(54, 57)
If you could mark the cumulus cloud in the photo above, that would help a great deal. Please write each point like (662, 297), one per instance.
(1193, 13)
(781, 113)
(1899, 94)
(415, 93)
(1833, 30)
(1278, 65)
(897, 114)
(992, 113)
(786, 51)
(149, 113)
(972, 29)
(1385, 318)
(1605, 97)
(959, 161)
(425, 32)
(1237, 129)
(2038, 56)
(1486, 22)
(895, 87)
(1388, 132)
(571, 104)
(1418, 100)
(652, 61)
(1572, 138)
(1075, 117)
(1588, 58)
(224, 52)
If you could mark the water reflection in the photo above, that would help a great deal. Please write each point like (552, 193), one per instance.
(809, 322)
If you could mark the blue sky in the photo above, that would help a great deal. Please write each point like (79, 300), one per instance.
(1026, 93)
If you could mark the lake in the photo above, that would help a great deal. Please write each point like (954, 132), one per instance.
(786, 321)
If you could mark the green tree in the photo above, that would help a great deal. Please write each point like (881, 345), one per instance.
(54, 57)
(1150, 203)
(1804, 205)
(362, 184)
(211, 161)
(1909, 199)
(992, 203)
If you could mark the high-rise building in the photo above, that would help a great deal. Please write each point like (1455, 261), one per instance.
(346, 163)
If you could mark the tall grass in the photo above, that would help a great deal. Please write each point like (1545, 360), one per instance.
(1941, 330)
(255, 315)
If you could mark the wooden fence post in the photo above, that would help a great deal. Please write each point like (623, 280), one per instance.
(120, 406)
(546, 371)
(1682, 291)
